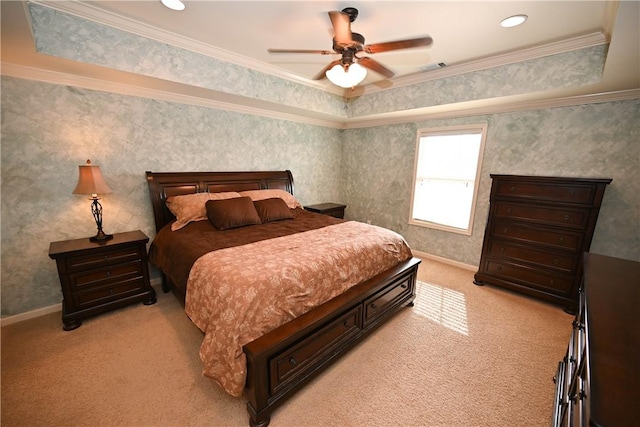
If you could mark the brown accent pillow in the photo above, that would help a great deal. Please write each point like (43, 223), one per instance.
(273, 209)
(232, 213)
(190, 207)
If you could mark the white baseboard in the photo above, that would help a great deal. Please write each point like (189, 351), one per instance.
(448, 261)
(10, 320)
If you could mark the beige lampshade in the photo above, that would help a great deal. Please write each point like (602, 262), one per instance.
(90, 180)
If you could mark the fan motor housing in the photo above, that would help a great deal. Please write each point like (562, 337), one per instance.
(357, 41)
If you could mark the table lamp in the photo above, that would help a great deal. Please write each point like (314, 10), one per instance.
(90, 181)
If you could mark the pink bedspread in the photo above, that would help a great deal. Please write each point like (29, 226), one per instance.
(238, 294)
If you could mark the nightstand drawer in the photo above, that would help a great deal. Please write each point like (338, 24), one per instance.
(114, 292)
(99, 277)
(102, 258)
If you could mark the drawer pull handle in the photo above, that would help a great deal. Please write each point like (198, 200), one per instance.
(562, 239)
(505, 230)
(403, 286)
(293, 362)
(509, 210)
(108, 274)
(499, 268)
(566, 217)
(373, 305)
(512, 189)
(345, 323)
(502, 249)
(556, 261)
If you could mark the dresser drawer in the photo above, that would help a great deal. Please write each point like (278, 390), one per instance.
(111, 292)
(559, 239)
(102, 258)
(300, 359)
(386, 299)
(553, 192)
(566, 262)
(100, 277)
(538, 279)
(573, 218)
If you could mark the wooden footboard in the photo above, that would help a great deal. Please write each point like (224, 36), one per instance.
(282, 361)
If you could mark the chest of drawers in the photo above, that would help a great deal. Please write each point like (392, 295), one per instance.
(537, 230)
(97, 277)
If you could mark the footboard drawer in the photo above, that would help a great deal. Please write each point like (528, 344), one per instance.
(386, 299)
(313, 350)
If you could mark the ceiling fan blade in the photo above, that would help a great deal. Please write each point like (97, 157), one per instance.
(322, 74)
(375, 66)
(399, 44)
(321, 52)
(341, 26)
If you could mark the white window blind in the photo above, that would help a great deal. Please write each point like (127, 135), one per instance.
(446, 174)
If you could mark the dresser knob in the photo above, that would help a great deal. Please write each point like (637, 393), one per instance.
(566, 217)
(373, 306)
(403, 286)
(108, 274)
(293, 362)
(556, 261)
(499, 268)
(509, 210)
(505, 230)
(562, 239)
(512, 189)
(502, 249)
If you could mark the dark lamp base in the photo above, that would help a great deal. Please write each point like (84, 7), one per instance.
(101, 238)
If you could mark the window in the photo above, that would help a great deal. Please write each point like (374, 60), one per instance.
(446, 177)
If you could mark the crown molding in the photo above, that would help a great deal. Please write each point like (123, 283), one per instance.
(55, 77)
(575, 43)
(505, 105)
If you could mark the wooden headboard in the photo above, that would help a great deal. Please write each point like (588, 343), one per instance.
(166, 184)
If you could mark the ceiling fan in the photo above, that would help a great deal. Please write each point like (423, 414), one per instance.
(348, 44)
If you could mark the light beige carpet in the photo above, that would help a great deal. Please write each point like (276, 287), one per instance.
(463, 356)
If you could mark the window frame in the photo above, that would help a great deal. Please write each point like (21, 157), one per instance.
(450, 130)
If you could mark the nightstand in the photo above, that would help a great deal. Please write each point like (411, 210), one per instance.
(332, 209)
(98, 277)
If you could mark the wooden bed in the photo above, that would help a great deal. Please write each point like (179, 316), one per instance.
(282, 361)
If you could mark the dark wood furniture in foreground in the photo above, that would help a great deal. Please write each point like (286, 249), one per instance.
(282, 361)
(332, 209)
(598, 381)
(97, 277)
(537, 229)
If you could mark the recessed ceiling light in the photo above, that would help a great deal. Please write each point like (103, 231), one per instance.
(173, 4)
(513, 21)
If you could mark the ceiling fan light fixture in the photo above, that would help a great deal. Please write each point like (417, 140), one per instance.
(173, 4)
(513, 21)
(354, 74)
